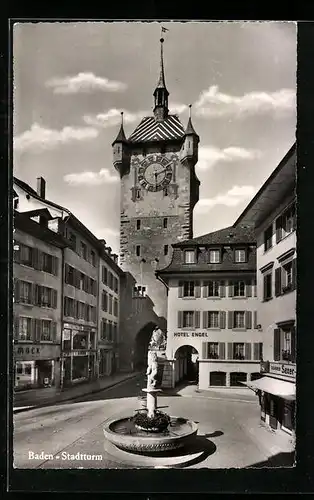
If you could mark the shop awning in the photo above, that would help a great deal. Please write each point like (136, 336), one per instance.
(274, 386)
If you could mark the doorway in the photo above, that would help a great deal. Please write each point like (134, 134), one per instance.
(186, 365)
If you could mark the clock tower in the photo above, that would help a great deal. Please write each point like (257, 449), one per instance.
(159, 189)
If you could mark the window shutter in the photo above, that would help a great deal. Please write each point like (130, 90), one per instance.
(231, 290)
(222, 350)
(247, 351)
(55, 263)
(204, 350)
(222, 319)
(222, 289)
(293, 345)
(16, 327)
(53, 331)
(197, 290)
(264, 287)
(35, 258)
(205, 319)
(278, 281)
(255, 319)
(54, 298)
(197, 319)
(230, 348)
(37, 329)
(248, 290)
(205, 289)
(16, 291)
(277, 344)
(294, 274)
(278, 229)
(254, 288)
(230, 319)
(256, 350)
(248, 319)
(180, 319)
(261, 351)
(180, 289)
(36, 295)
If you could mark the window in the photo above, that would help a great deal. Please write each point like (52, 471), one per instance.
(238, 350)
(285, 278)
(189, 257)
(213, 289)
(138, 194)
(28, 369)
(284, 344)
(138, 224)
(166, 192)
(116, 285)
(46, 330)
(44, 296)
(267, 283)
(188, 289)
(110, 280)
(69, 309)
(25, 292)
(110, 304)
(239, 289)
(26, 255)
(80, 340)
(214, 256)
(25, 329)
(83, 250)
(139, 291)
(93, 258)
(166, 249)
(115, 307)
(286, 223)
(240, 255)
(104, 301)
(47, 263)
(212, 352)
(268, 238)
(72, 239)
(104, 275)
(138, 250)
(165, 223)
(69, 275)
(239, 319)
(213, 319)
(188, 319)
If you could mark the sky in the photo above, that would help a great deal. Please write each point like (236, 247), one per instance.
(72, 80)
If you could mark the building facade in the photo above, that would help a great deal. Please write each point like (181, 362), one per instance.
(159, 189)
(213, 335)
(37, 307)
(273, 214)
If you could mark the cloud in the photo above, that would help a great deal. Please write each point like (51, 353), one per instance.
(84, 82)
(213, 103)
(177, 108)
(112, 117)
(232, 198)
(104, 176)
(209, 155)
(39, 138)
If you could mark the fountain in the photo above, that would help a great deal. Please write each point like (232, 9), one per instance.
(152, 438)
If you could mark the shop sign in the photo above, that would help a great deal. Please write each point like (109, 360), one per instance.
(190, 334)
(31, 352)
(80, 353)
(282, 369)
(81, 328)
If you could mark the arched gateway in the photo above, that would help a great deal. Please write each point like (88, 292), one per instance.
(140, 348)
(186, 364)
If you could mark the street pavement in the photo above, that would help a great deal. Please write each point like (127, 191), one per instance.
(69, 435)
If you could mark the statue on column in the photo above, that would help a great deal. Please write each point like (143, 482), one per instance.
(152, 369)
(158, 339)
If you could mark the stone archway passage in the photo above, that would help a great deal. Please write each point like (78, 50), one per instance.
(186, 365)
(141, 342)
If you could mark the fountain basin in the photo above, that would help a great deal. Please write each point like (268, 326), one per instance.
(126, 436)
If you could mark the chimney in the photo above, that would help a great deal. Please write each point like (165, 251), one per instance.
(41, 187)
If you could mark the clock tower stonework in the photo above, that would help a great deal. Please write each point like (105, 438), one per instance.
(159, 189)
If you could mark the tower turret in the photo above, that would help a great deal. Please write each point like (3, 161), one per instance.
(121, 156)
(189, 150)
(161, 93)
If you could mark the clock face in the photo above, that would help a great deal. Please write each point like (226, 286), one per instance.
(155, 173)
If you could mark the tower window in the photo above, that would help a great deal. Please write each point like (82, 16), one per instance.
(165, 222)
(138, 224)
(166, 249)
(138, 194)
(138, 250)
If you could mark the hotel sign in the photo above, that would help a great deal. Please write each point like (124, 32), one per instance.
(190, 334)
(33, 352)
(282, 369)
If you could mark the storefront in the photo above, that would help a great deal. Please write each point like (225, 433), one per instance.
(276, 391)
(79, 355)
(36, 366)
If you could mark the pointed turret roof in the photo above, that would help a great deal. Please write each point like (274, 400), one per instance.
(161, 84)
(121, 135)
(190, 129)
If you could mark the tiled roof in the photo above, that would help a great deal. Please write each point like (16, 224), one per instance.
(151, 130)
(228, 235)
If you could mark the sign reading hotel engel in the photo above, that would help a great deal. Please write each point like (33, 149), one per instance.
(282, 369)
(190, 334)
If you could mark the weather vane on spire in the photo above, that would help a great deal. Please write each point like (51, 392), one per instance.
(162, 30)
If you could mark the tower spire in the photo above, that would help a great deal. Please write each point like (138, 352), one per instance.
(121, 135)
(161, 93)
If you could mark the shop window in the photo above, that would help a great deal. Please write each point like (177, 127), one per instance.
(236, 379)
(240, 255)
(267, 286)
(214, 256)
(25, 329)
(217, 378)
(268, 238)
(19, 368)
(28, 369)
(288, 415)
(213, 289)
(80, 367)
(66, 339)
(80, 341)
(188, 288)
(189, 257)
(239, 289)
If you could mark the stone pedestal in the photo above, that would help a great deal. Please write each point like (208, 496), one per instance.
(151, 401)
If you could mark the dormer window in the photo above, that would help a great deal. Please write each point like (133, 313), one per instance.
(189, 257)
(240, 255)
(214, 256)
